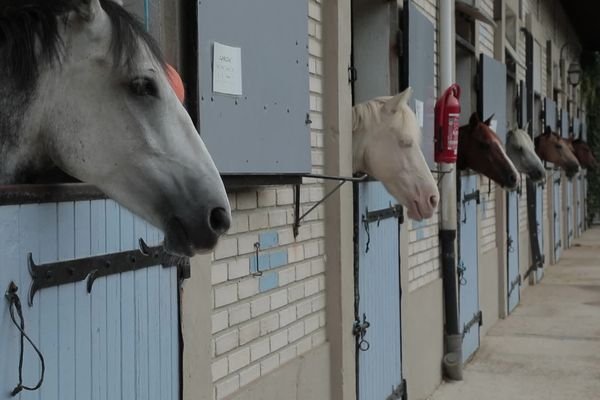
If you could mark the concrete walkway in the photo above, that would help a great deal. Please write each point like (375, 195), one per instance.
(549, 348)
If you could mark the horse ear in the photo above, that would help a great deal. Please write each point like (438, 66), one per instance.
(547, 130)
(474, 120)
(88, 9)
(398, 100)
(526, 126)
(489, 120)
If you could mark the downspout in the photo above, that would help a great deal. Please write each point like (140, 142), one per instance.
(453, 337)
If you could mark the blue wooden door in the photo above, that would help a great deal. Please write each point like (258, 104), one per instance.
(539, 211)
(579, 204)
(513, 276)
(570, 222)
(468, 266)
(379, 366)
(119, 342)
(557, 212)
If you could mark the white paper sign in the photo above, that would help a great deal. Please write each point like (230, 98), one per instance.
(494, 124)
(227, 69)
(419, 111)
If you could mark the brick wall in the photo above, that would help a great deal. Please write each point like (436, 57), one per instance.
(262, 322)
(423, 243)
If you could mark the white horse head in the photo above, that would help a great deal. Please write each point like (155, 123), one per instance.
(386, 145)
(94, 100)
(521, 150)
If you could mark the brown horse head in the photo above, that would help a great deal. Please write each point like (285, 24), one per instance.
(552, 148)
(584, 154)
(480, 150)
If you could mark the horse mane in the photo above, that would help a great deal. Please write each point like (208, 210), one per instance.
(29, 25)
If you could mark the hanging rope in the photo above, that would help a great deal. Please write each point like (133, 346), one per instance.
(15, 304)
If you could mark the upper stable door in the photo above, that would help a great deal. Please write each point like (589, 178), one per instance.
(253, 78)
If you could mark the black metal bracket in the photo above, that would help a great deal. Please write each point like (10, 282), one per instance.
(70, 271)
(516, 282)
(477, 319)
(399, 392)
(378, 216)
(342, 179)
(359, 330)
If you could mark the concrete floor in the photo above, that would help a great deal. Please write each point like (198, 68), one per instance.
(549, 347)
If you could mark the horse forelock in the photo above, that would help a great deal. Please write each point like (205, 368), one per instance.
(366, 115)
(30, 37)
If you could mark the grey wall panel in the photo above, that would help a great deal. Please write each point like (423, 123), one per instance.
(576, 128)
(523, 104)
(492, 95)
(264, 130)
(418, 63)
(583, 130)
(550, 115)
(465, 73)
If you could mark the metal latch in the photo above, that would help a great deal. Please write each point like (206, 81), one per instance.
(509, 243)
(398, 392)
(477, 319)
(378, 216)
(460, 271)
(516, 282)
(359, 330)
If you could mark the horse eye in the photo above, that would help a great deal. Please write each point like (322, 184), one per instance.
(484, 145)
(143, 87)
(558, 146)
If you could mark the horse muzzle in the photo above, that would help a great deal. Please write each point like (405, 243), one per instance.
(190, 236)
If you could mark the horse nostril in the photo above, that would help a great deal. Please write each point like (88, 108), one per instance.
(512, 179)
(219, 220)
(433, 201)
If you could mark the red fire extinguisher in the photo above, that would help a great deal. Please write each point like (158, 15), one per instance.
(447, 113)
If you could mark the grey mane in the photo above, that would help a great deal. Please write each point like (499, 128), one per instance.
(30, 25)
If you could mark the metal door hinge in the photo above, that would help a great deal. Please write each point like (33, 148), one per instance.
(399, 392)
(516, 282)
(352, 74)
(477, 319)
(378, 216)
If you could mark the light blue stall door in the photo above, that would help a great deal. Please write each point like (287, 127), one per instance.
(539, 216)
(468, 265)
(569, 218)
(379, 367)
(557, 213)
(513, 281)
(119, 342)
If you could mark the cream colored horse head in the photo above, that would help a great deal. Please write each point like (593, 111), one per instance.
(95, 101)
(521, 151)
(386, 145)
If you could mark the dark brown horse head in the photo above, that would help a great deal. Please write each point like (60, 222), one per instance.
(552, 148)
(480, 150)
(584, 154)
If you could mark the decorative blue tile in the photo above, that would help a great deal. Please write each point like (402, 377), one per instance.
(263, 262)
(268, 240)
(278, 259)
(268, 281)
(420, 234)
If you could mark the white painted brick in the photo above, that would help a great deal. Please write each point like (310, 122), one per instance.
(228, 386)
(318, 303)
(231, 197)
(226, 342)
(227, 247)
(259, 349)
(304, 230)
(246, 200)
(311, 324)
(287, 316)
(303, 309)
(259, 220)
(317, 229)
(279, 340)
(296, 292)
(219, 369)
(295, 331)
(314, 11)
(218, 273)
(287, 276)
(269, 324)
(239, 268)
(286, 236)
(295, 253)
(239, 359)
(219, 321)
(279, 299)
(321, 282)
(246, 243)
(311, 287)
(318, 338)
(249, 332)
(277, 218)
(239, 314)
(247, 287)
(239, 223)
(225, 295)
(249, 374)
(285, 196)
(260, 306)
(287, 354)
(317, 266)
(267, 198)
(322, 319)
(304, 345)
(303, 270)
(269, 364)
